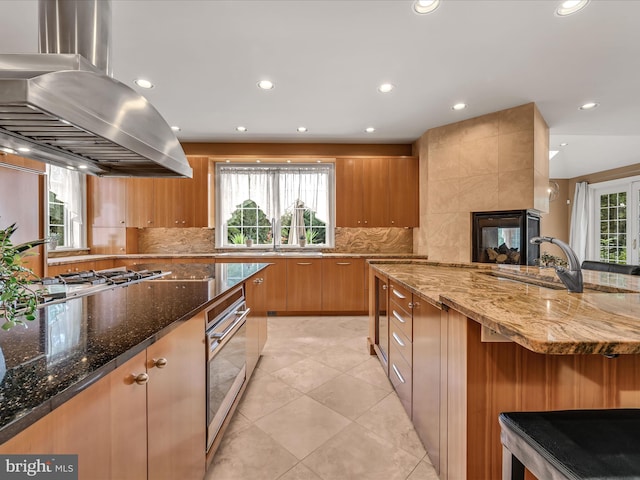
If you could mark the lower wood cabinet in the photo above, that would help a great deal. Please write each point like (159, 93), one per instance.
(131, 430)
(304, 284)
(176, 394)
(343, 286)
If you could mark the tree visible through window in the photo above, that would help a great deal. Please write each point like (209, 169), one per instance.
(294, 201)
(613, 227)
(66, 206)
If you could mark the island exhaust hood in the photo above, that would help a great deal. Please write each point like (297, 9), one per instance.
(64, 107)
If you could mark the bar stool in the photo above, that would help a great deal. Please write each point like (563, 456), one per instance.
(572, 444)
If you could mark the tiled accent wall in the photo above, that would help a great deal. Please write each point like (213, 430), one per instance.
(494, 162)
(348, 240)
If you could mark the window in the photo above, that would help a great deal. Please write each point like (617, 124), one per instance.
(295, 201)
(616, 211)
(66, 207)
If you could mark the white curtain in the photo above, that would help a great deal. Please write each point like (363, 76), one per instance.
(240, 184)
(580, 214)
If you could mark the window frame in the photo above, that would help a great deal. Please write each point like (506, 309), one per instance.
(330, 224)
(82, 231)
(631, 187)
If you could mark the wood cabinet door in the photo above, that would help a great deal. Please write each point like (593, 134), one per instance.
(176, 396)
(183, 202)
(108, 240)
(54, 270)
(403, 192)
(105, 425)
(343, 285)
(106, 201)
(140, 202)
(426, 377)
(349, 193)
(304, 284)
(376, 192)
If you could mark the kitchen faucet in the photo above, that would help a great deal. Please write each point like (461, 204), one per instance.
(572, 278)
(273, 234)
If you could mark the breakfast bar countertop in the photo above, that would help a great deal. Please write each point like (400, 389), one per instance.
(529, 305)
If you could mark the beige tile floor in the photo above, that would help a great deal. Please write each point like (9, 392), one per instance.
(319, 407)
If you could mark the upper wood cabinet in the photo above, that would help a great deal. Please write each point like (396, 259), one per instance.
(403, 192)
(140, 202)
(377, 192)
(183, 202)
(151, 202)
(106, 201)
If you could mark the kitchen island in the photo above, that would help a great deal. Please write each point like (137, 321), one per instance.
(487, 339)
(69, 380)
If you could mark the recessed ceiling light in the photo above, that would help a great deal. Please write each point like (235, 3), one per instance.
(241, 128)
(24, 149)
(258, 161)
(385, 88)
(459, 106)
(175, 128)
(8, 150)
(369, 129)
(288, 161)
(425, 6)
(318, 161)
(265, 84)
(142, 83)
(569, 7)
(564, 144)
(228, 161)
(302, 129)
(589, 106)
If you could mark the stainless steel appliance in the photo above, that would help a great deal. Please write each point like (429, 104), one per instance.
(226, 357)
(78, 284)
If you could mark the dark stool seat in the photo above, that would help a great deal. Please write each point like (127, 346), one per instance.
(573, 444)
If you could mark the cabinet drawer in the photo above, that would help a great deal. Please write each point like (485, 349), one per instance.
(403, 320)
(401, 341)
(400, 375)
(401, 296)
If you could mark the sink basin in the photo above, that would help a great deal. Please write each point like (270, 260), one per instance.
(525, 280)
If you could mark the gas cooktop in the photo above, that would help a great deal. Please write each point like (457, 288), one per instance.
(76, 284)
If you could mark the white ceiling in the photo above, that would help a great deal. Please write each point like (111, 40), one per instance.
(327, 57)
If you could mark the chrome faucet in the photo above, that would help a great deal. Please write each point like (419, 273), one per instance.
(273, 234)
(572, 277)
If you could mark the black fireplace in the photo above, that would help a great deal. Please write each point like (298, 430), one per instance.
(503, 237)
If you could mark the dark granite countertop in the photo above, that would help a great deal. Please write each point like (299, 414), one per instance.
(72, 344)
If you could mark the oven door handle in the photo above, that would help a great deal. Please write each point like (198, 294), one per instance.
(220, 336)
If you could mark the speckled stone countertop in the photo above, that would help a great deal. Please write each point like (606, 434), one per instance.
(541, 316)
(73, 344)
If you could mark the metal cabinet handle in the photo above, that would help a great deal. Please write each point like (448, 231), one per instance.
(343, 263)
(141, 378)
(395, 370)
(384, 287)
(413, 305)
(397, 339)
(397, 293)
(303, 263)
(258, 281)
(160, 362)
(399, 317)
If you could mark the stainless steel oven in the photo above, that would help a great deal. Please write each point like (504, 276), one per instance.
(226, 358)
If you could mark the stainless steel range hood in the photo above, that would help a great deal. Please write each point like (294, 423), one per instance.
(69, 112)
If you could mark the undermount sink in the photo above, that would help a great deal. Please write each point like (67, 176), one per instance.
(525, 280)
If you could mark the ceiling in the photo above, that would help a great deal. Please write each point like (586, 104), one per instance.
(327, 57)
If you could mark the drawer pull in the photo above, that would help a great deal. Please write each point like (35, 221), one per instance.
(399, 317)
(397, 293)
(398, 339)
(395, 370)
(384, 287)
(303, 263)
(343, 263)
(140, 378)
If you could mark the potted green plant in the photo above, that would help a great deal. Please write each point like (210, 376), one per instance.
(18, 299)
